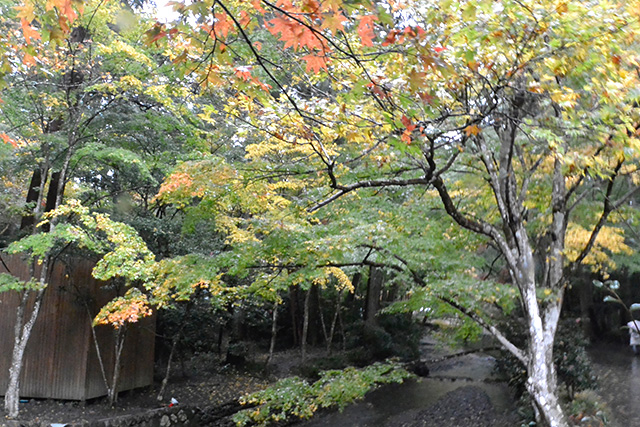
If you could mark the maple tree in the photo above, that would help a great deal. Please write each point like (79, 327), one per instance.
(71, 67)
(520, 117)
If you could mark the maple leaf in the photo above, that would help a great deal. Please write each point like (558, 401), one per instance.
(315, 63)
(8, 140)
(407, 123)
(310, 6)
(365, 29)
(243, 73)
(391, 38)
(155, 33)
(222, 24)
(406, 137)
(472, 130)
(256, 5)
(333, 22)
(29, 32)
(294, 34)
(245, 18)
(28, 59)
(26, 12)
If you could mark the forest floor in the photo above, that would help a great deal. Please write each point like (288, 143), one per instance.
(204, 382)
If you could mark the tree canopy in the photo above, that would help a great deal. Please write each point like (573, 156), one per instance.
(310, 138)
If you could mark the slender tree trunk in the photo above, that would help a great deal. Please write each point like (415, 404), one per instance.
(323, 324)
(103, 370)
(305, 325)
(374, 289)
(293, 304)
(120, 334)
(22, 333)
(174, 345)
(342, 331)
(274, 331)
(333, 323)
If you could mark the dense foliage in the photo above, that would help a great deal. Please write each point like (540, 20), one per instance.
(332, 160)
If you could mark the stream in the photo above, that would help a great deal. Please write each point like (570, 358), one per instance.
(618, 372)
(467, 384)
(461, 390)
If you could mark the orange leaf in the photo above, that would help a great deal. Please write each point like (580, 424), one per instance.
(406, 137)
(294, 34)
(365, 29)
(256, 5)
(222, 24)
(315, 63)
(29, 32)
(472, 130)
(8, 140)
(243, 73)
(28, 59)
(245, 18)
(64, 8)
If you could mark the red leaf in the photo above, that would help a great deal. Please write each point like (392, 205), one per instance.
(391, 38)
(407, 123)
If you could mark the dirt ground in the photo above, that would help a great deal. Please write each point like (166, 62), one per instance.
(205, 381)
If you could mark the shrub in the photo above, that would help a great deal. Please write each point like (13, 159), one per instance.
(297, 398)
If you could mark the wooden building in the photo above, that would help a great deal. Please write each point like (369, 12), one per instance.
(60, 359)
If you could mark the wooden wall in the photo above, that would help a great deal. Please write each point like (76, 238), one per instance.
(60, 359)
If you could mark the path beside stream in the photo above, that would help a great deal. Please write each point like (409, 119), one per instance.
(460, 391)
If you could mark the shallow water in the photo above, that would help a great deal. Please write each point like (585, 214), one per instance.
(396, 404)
(618, 372)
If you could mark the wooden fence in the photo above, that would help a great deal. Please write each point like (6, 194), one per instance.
(60, 360)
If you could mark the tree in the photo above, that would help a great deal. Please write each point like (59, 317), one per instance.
(63, 71)
(520, 117)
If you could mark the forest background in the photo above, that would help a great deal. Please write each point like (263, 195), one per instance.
(458, 158)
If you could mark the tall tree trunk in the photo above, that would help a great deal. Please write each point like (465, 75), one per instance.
(22, 330)
(120, 335)
(174, 345)
(274, 331)
(542, 380)
(21, 337)
(33, 196)
(374, 290)
(305, 325)
(293, 304)
(336, 314)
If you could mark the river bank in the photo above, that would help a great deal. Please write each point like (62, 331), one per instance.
(461, 389)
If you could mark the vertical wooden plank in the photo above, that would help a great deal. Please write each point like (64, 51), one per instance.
(60, 359)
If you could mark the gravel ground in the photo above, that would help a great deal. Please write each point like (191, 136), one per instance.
(464, 406)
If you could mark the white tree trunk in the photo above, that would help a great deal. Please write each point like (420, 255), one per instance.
(542, 383)
(21, 337)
